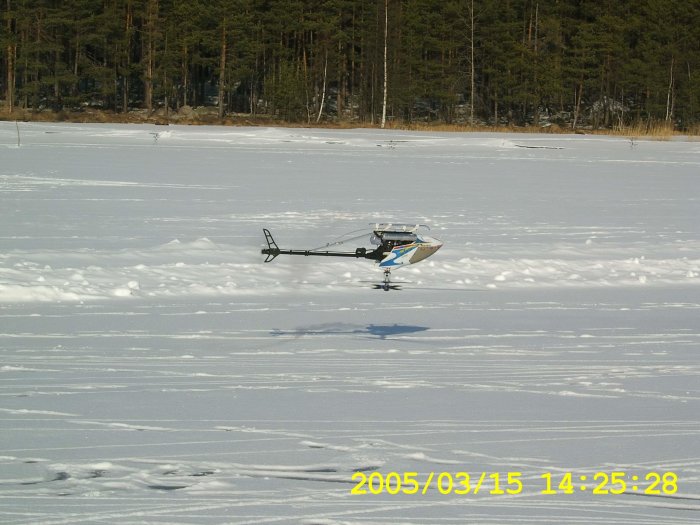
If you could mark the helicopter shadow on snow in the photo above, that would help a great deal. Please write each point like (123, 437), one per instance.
(371, 330)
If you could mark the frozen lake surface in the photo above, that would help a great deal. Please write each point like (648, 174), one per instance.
(154, 370)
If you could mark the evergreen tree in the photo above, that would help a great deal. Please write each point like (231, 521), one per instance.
(584, 62)
(8, 45)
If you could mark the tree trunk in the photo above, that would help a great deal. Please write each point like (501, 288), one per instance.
(35, 91)
(471, 66)
(536, 101)
(386, 34)
(185, 76)
(127, 53)
(495, 108)
(222, 70)
(340, 96)
(305, 67)
(10, 89)
(11, 52)
(577, 105)
(323, 91)
(150, 55)
(166, 89)
(669, 95)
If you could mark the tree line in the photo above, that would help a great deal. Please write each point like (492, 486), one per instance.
(601, 63)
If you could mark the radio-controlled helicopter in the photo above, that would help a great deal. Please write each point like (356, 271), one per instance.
(396, 245)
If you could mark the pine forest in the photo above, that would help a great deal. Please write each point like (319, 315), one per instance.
(571, 63)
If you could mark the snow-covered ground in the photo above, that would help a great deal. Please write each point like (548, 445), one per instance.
(154, 370)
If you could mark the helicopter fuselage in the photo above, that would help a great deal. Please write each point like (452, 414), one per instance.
(404, 248)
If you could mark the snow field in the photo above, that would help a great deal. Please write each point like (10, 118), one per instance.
(155, 371)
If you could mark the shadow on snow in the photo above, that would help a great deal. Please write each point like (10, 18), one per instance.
(373, 330)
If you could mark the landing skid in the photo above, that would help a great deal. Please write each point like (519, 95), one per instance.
(386, 283)
(386, 287)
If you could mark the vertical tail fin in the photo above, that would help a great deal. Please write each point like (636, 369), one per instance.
(272, 250)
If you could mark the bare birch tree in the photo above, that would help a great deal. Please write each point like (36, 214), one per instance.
(323, 91)
(669, 95)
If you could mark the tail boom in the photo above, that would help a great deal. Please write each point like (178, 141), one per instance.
(273, 251)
